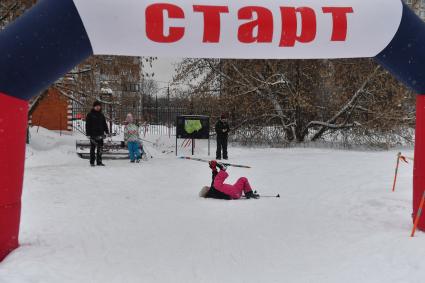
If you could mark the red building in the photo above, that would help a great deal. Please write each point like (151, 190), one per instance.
(52, 111)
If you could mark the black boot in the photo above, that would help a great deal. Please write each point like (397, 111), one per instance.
(251, 194)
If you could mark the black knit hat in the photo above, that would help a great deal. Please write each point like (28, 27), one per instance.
(97, 103)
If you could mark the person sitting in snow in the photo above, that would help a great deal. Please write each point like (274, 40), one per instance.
(220, 190)
(132, 138)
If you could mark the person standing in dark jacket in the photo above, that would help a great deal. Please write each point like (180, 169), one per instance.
(222, 129)
(96, 128)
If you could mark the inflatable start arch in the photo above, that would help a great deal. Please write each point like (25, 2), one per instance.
(55, 35)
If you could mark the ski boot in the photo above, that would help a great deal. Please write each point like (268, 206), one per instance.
(252, 194)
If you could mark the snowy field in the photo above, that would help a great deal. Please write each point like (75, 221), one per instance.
(337, 220)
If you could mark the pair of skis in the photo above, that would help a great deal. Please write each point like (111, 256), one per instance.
(206, 161)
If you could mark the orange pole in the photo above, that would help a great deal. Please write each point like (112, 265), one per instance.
(418, 215)
(396, 170)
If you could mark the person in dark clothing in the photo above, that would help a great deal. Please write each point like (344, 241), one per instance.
(222, 130)
(96, 128)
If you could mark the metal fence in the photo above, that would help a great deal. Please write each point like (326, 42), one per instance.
(160, 120)
(155, 120)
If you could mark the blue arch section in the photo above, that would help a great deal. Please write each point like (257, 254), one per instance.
(404, 57)
(42, 45)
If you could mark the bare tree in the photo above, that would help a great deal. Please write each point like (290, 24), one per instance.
(306, 99)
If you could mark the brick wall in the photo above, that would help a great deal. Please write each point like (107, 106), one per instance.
(53, 112)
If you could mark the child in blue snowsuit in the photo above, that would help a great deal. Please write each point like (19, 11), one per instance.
(131, 137)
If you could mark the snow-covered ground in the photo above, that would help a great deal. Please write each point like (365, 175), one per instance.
(337, 220)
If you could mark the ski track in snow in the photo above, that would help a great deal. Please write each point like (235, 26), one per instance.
(336, 220)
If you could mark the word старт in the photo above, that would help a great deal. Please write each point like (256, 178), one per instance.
(298, 24)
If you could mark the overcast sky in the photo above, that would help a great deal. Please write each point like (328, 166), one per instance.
(164, 69)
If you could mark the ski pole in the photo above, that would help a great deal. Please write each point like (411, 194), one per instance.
(146, 141)
(265, 196)
(418, 216)
(261, 196)
(276, 196)
(396, 170)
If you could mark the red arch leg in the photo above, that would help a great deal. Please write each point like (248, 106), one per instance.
(13, 126)
(419, 168)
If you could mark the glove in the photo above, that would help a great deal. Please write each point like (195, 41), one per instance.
(221, 166)
(213, 164)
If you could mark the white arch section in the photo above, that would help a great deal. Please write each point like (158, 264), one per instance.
(241, 28)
